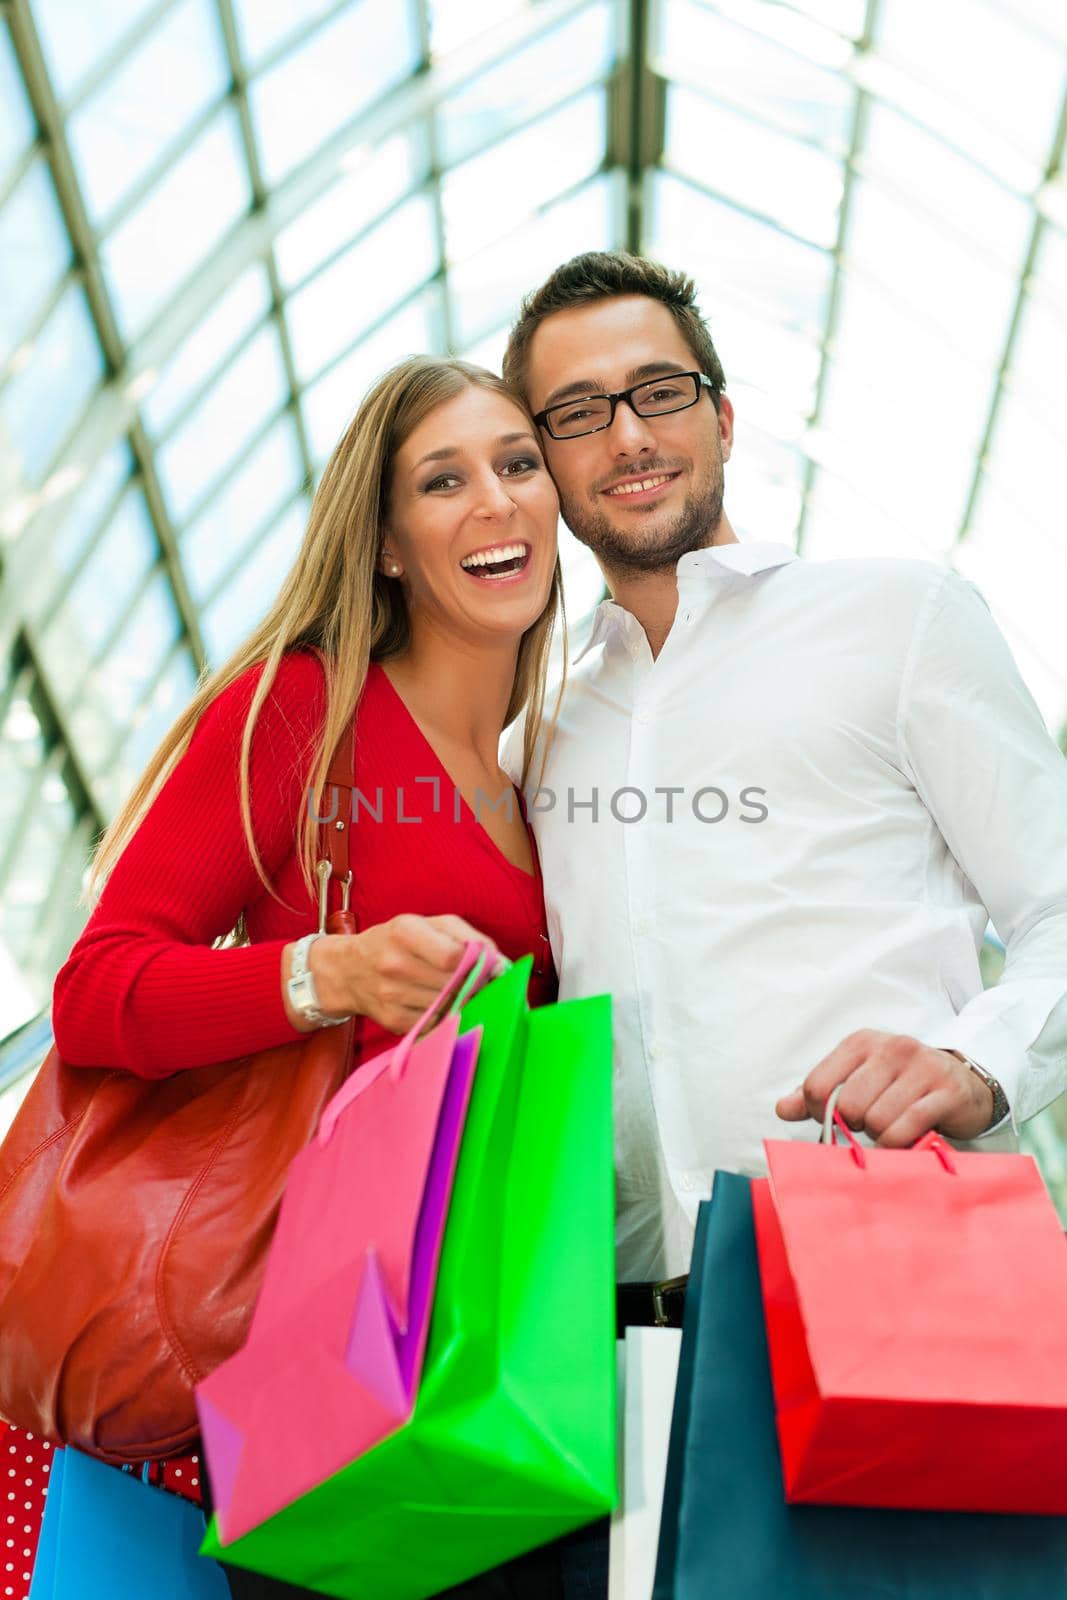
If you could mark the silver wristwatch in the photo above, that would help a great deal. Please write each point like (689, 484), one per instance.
(1000, 1099)
(303, 996)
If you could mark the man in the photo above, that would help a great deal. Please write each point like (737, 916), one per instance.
(782, 797)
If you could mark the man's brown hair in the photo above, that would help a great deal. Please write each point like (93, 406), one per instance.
(604, 275)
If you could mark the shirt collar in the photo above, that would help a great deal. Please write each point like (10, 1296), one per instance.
(743, 560)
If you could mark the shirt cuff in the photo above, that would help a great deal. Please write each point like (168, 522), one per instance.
(999, 1056)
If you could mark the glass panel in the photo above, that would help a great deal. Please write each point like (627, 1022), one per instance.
(486, 288)
(354, 291)
(899, 348)
(850, 519)
(265, 24)
(369, 48)
(775, 367)
(140, 110)
(765, 482)
(795, 185)
(872, 436)
(1026, 459)
(34, 250)
(783, 279)
(75, 36)
(491, 194)
(84, 516)
(205, 349)
(330, 404)
(1039, 362)
(40, 404)
(753, 73)
(554, 66)
(980, 59)
(17, 128)
(118, 682)
(946, 185)
(177, 225)
(269, 478)
(231, 412)
(78, 630)
(28, 887)
(1024, 575)
(1045, 16)
(371, 183)
(920, 262)
(153, 718)
(454, 22)
(22, 750)
(844, 16)
(1049, 279)
(784, 25)
(244, 603)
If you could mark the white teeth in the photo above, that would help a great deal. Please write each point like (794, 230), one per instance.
(638, 486)
(500, 552)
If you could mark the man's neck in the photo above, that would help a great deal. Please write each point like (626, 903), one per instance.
(652, 597)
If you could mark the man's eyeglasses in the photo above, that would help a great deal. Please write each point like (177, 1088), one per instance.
(589, 413)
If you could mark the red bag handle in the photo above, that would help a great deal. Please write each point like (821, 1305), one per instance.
(834, 1121)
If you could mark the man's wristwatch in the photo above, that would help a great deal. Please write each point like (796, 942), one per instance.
(303, 996)
(1000, 1099)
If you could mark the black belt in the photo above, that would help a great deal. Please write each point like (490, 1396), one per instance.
(650, 1305)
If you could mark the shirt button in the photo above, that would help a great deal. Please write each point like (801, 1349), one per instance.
(640, 926)
(693, 1181)
(654, 1052)
(642, 717)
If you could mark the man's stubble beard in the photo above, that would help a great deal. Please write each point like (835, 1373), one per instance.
(692, 528)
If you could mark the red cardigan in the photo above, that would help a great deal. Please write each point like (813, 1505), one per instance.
(144, 990)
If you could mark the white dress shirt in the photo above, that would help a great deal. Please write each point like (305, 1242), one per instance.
(882, 780)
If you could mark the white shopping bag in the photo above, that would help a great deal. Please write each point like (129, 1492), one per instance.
(648, 1371)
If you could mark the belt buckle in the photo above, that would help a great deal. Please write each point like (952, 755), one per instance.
(659, 1290)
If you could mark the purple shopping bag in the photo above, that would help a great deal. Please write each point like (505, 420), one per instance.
(334, 1353)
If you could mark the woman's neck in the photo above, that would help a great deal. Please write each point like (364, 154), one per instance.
(458, 692)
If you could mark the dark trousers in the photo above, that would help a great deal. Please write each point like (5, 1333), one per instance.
(574, 1568)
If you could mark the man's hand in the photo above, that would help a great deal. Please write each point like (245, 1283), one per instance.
(895, 1089)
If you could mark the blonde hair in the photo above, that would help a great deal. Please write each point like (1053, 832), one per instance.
(336, 601)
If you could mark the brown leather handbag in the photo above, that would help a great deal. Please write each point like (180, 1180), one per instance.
(135, 1218)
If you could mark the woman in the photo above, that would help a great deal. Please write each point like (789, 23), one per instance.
(424, 594)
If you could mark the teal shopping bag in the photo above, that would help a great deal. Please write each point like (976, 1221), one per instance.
(726, 1528)
(106, 1535)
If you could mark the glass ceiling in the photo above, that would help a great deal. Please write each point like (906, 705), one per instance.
(221, 219)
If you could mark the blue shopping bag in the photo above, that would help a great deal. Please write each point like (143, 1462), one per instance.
(106, 1534)
(726, 1529)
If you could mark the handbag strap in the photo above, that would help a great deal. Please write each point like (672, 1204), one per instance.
(334, 852)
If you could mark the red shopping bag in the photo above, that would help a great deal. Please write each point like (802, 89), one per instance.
(916, 1308)
(339, 1331)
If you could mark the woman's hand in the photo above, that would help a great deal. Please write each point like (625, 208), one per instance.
(391, 973)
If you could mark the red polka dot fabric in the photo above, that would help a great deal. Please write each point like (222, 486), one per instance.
(26, 1462)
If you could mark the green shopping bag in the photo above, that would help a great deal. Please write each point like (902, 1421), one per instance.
(511, 1442)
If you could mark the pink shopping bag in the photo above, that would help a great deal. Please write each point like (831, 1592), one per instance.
(339, 1332)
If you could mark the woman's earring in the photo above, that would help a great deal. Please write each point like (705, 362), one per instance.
(394, 569)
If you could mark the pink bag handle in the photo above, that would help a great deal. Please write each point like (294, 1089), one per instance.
(833, 1120)
(470, 975)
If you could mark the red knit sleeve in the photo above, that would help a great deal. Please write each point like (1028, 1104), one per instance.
(142, 988)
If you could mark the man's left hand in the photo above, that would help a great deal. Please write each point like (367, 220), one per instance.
(895, 1089)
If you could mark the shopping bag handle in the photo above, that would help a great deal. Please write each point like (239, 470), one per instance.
(470, 974)
(833, 1120)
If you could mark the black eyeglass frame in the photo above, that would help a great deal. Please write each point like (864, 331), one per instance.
(702, 382)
